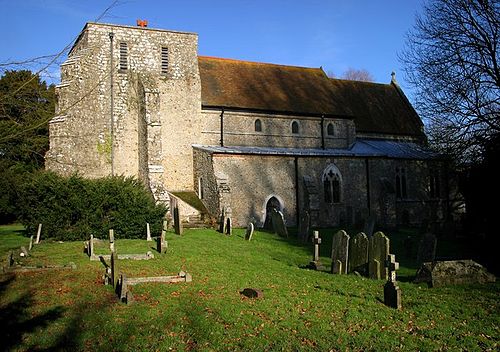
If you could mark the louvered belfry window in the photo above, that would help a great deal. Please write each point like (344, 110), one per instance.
(123, 56)
(164, 60)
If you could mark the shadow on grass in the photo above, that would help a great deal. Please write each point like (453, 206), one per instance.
(17, 320)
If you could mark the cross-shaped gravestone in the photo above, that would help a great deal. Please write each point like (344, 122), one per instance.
(392, 265)
(315, 263)
(111, 240)
(392, 292)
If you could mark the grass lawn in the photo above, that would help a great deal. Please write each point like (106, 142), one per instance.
(301, 310)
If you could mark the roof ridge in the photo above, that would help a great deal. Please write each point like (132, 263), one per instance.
(256, 62)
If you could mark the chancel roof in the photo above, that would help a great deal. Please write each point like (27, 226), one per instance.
(375, 108)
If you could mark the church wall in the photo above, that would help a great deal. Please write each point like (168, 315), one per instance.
(239, 130)
(204, 169)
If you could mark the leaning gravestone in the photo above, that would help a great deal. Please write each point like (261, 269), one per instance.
(304, 224)
(377, 255)
(453, 272)
(31, 243)
(340, 252)
(177, 221)
(114, 271)
(161, 243)
(427, 248)
(38, 233)
(279, 223)
(358, 254)
(249, 232)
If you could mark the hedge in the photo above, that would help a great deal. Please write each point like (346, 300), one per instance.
(73, 208)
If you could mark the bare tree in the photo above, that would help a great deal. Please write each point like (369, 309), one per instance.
(357, 75)
(451, 59)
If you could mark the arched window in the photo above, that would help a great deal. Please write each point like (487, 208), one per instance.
(332, 180)
(295, 127)
(329, 129)
(258, 125)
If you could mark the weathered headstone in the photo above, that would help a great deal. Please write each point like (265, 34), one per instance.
(392, 292)
(358, 254)
(304, 224)
(315, 263)
(111, 240)
(369, 226)
(177, 221)
(377, 254)
(279, 223)
(148, 232)
(228, 228)
(427, 248)
(453, 272)
(38, 233)
(31, 243)
(249, 232)
(124, 294)
(161, 243)
(340, 252)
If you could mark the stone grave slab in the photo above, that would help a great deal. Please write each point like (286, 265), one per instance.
(340, 252)
(358, 254)
(377, 254)
(279, 223)
(453, 272)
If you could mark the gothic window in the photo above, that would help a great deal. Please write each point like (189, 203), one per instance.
(434, 184)
(258, 125)
(123, 63)
(401, 191)
(295, 127)
(164, 60)
(329, 129)
(332, 181)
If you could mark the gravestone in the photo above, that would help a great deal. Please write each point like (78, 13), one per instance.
(279, 223)
(315, 263)
(453, 272)
(249, 232)
(392, 292)
(161, 243)
(358, 254)
(31, 243)
(111, 240)
(124, 294)
(177, 221)
(304, 224)
(377, 254)
(228, 228)
(369, 226)
(91, 246)
(114, 271)
(148, 232)
(24, 252)
(38, 233)
(427, 248)
(340, 252)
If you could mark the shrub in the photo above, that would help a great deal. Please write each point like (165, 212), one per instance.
(73, 208)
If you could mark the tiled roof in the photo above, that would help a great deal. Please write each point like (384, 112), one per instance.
(267, 87)
(379, 108)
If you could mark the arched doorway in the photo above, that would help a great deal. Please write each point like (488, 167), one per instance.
(272, 203)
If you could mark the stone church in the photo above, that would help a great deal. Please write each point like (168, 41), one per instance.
(241, 137)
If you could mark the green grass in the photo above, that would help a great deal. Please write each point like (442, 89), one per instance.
(301, 310)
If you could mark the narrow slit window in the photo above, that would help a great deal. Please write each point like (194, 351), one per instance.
(164, 60)
(123, 56)
(258, 125)
(295, 127)
(401, 187)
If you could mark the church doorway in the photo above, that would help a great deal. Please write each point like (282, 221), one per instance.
(272, 203)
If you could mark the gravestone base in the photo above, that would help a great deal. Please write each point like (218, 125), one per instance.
(392, 295)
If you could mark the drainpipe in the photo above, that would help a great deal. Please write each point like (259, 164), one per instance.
(222, 128)
(297, 210)
(368, 199)
(112, 120)
(323, 132)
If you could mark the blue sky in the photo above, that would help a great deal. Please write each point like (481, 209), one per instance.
(333, 34)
